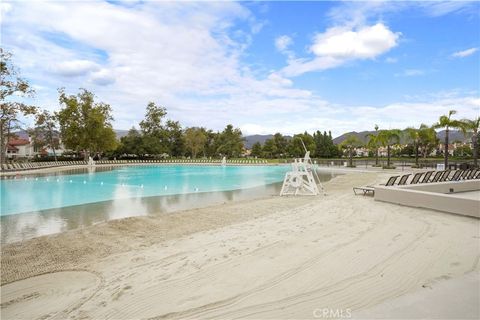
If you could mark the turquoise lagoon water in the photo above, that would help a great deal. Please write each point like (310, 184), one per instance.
(42, 204)
(31, 194)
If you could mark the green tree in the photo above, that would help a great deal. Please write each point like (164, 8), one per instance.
(296, 148)
(280, 143)
(85, 125)
(45, 126)
(132, 143)
(388, 138)
(256, 149)
(12, 87)
(269, 149)
(447, 122)
(350, 143)
(324, 146)
(211, 143)
(463, 151)
(154, 132)
(152, 124)
(472, 126)
(195, 140)
(373, 143)
(230, 142)
(413, 136)
(175, 142)
(427, 140)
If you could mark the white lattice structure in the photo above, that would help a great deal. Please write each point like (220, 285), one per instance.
(303, 179)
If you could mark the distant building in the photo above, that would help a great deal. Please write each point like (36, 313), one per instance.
(20, 148)
(25, 148)
(451, 148)
(361, 152)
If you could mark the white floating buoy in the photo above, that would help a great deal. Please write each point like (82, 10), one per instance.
(141, 186)
(166, 188)
(48, 179)
(26, 178)
(58, 180)
(196, 189)
(101, 183)
(71, 181)
(84, 182)
(36, 179)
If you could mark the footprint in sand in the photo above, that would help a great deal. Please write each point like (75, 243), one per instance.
(49, 295)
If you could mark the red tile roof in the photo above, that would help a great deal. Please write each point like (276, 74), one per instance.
(18, 142)
(11, 148)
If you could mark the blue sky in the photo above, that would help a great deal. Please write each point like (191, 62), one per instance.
(263, 66)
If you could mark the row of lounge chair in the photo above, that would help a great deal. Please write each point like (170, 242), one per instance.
(39, 165)
(424, 177)
(20, 166)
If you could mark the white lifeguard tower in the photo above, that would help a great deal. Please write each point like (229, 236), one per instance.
(303, 179)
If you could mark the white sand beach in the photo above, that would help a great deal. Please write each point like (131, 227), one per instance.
(273, 258)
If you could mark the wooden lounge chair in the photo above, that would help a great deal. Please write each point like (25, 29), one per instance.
(445, 176)
(371, 189)
(437, 176)
(465, 175)
(473, 174)
(365, 190)
(477, 175)
(427, 176)
(416, 177)
(403, 180)
(456, 175)
(391, 181)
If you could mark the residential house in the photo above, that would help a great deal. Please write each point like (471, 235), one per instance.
(20, 148)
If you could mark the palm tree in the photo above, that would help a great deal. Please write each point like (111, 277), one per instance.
(473, 126)
(350, 143)
(447, 122)
(373, 143)
(413, 135)
(387, 138)
(427, 139)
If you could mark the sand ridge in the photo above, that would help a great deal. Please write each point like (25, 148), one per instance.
(272, 258)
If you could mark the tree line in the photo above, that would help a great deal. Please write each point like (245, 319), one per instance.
(319, 144)
(421, 141)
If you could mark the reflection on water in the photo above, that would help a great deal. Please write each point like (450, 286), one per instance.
(29, 225)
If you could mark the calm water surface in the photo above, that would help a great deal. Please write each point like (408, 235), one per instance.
(50, 203)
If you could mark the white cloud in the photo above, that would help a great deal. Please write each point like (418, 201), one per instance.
(283, 42)
(411, 73)
(75, 68)
(139, 59)
(441, 8)
(339, 45)
(344, 118)
(391, 60)
(102, 77)
(188, 57)
(464, 53)
(363, 43)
